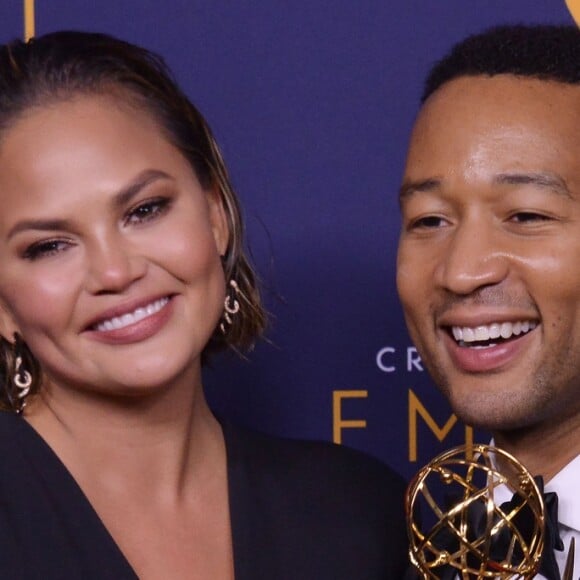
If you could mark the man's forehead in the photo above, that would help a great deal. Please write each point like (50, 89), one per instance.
(500, 130)
(476, 115)
(503, 91)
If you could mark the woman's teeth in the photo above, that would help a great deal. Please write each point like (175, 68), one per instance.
(465, 335)
(132, 317)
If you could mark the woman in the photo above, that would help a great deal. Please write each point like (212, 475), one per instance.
(121, 271)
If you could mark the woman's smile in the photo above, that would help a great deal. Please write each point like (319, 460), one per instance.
(136, 325)
(129, 318)
(115, 243)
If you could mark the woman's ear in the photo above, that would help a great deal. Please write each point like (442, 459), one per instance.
(8, 326)
(218, 220)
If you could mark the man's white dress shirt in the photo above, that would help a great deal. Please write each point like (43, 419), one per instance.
(566, 483)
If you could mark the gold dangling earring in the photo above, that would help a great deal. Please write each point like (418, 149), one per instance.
(231, 306)
(22, 380)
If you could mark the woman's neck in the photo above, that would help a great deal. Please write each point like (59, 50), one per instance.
(153, 446)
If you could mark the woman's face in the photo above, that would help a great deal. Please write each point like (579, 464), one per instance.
(109, 248)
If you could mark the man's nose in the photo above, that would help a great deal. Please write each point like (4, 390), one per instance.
(474, 258)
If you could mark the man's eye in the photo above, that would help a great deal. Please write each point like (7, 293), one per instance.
(427, 222)
(46, 248)
(147, 211)
(529, 216)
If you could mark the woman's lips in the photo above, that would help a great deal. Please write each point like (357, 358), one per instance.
(140, 313)
(134, 325)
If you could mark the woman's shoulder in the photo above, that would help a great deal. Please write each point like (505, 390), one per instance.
(25, 458)
(314, 460)
(329, 511)
(18, 438)
(14, 433)
(9, 421)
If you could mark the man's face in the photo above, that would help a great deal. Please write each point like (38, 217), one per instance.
(489, 254)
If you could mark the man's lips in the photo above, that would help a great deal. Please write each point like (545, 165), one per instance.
(488, 347)
(466, 335)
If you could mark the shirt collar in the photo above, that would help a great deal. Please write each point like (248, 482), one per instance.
(565, 484)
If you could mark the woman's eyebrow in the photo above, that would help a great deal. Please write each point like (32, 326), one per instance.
(40, 224)
(142, 180)
(120, 199)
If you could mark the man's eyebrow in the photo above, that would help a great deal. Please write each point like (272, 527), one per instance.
(410, 187)
(124, 196)
(549, 181)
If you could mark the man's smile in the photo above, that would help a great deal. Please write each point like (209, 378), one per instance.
(488, 335)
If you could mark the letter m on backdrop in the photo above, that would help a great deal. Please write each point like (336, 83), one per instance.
(416, 409)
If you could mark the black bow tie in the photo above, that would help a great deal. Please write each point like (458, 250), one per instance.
(552, 540)
(549, 566)
(523, 521)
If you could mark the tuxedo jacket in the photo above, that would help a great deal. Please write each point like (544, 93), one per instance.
(299, 511)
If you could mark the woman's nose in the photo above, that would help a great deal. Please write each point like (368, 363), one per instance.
(113, 265)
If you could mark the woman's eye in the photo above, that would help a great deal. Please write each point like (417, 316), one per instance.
(147, 211)
(45, 248)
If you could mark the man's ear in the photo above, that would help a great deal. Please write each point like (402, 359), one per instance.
(218, 220)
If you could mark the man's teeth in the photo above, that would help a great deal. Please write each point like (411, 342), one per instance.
(132, 317)
(465, 334)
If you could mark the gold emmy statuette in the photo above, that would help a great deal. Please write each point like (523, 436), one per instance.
(456, 530)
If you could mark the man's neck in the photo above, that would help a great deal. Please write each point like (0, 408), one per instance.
(544, 450)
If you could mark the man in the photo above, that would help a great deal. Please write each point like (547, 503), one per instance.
(489, 255)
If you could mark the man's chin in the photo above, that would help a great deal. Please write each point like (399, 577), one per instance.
(494, 417)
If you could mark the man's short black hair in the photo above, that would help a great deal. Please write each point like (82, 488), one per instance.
(545, 52)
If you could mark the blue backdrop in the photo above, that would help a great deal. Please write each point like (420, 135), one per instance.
(313, 103)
